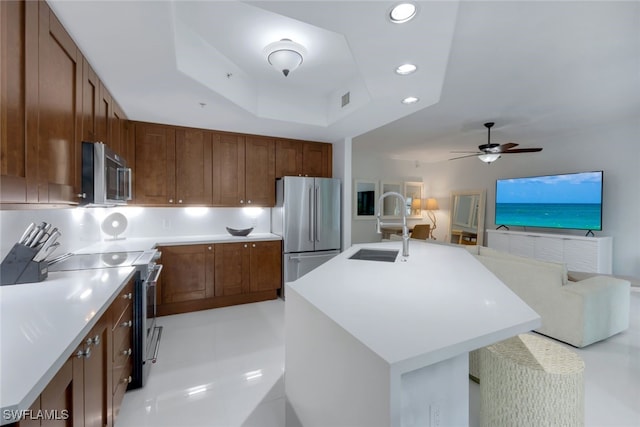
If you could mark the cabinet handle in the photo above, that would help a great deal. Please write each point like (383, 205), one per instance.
(180, 201)
(254, 245)
(126, 324)
(209, 248)
(241, 202)
(126, 352)
(249, 201)
(127, 380)
(81, 196)
(127, 296)
(86, 354)
(245, 245)
(93, 341)
(170, 200)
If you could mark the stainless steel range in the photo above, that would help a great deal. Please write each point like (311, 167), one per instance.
(146, 334)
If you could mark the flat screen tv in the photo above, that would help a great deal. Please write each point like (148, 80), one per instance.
(572, 201)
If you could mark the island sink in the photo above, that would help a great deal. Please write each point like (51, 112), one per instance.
(375, 255)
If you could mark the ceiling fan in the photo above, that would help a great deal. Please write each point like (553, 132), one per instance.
(491, 152)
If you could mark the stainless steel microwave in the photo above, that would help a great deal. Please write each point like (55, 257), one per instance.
(106, 179)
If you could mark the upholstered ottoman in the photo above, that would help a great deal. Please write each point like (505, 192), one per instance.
(530, 381)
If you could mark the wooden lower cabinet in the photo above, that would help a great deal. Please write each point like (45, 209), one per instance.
(200, 277)
(88, 390)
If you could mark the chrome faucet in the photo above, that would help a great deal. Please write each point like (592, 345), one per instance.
(405, 229)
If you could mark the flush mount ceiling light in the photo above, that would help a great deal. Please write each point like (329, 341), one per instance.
(406, 69)
(285, 55)
(410, 100)
(402, 13)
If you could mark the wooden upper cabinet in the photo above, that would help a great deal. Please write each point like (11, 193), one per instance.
(18, 53)
(265, 266)
(229, 169)
(59, 133)
(103, 126)
(116, 125)
(155, 172)
(193, 167)
(260, 179)
(288, 158)
(303, 158)
(317, 159)
(90, 96)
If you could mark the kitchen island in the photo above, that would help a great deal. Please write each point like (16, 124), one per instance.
(374, 343)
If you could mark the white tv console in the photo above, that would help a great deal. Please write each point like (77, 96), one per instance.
(587, 254)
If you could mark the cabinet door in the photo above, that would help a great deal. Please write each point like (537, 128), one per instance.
(90, 96)
(97, 381)
(193, 167)
(232, 269)
(228, 169)
(59, 108)
(18, 50)
(288, 158)
(116, 125)
(265, 266)
(316, 159)
(103, 130)
(184, 275)
(154, 176)
(260, 160)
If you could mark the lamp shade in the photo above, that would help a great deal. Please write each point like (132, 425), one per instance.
(432, 205)
(490, 157)
(285, 55)
(416, 204)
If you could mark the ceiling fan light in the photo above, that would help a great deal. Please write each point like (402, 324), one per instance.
(489, 157)
(285, 55)
(402, 13)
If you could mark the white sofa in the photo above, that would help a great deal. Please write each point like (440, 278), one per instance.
(578, 313)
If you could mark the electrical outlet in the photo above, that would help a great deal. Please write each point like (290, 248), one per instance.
(435, 415)
(166, 224)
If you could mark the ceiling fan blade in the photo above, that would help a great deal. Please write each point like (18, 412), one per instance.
(508, 146)
(522, 150)
(465, 151)
(462, 157)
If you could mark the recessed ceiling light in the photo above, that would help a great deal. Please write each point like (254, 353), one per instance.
(410, 100)
(405, 69)
(402, 12)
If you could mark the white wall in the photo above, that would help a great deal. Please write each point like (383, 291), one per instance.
(80, 227)
(613, 148)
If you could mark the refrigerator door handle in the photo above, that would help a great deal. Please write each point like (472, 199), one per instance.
(311, 236)
(298, 258)
(315, 216)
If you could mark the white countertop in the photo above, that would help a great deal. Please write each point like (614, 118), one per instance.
(42, 323)
(438, 304)
(144, 243)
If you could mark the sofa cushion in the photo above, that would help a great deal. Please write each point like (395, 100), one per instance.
(561, 267)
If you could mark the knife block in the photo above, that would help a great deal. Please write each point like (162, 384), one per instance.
(19, 267)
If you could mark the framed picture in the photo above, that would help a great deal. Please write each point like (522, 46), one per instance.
(365, 199)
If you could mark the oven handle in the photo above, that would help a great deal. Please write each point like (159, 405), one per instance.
(153, 277)
(155, 351)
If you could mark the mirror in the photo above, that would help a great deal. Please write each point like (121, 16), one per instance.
(391, 206)
(365, 199)
(413, 194)
(466, 223)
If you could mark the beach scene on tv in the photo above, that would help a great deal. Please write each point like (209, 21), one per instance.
(572, 201)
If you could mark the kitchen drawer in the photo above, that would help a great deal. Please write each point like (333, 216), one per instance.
(122, 331)
(121, 379)
(122, 351)
(122, 301)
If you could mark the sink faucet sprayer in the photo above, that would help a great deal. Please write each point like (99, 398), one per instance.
(405, 229)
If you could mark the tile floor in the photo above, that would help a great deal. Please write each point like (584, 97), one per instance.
(224, 367)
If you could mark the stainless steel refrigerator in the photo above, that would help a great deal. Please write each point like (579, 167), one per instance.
(307, 216)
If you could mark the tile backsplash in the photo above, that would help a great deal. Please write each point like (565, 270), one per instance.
(81, 227)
